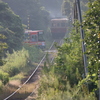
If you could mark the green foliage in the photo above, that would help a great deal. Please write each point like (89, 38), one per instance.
(48, 81)
(55, 9)
(4, 77)
(68, 6)
(1, 85)
(69, 60)
(35, 53)
(32, 9)
(63, 80)
(11, 27)
(3, 46)
(69, 64)
(60, 81)
(50, 93)
(15, 62)
(92, 29)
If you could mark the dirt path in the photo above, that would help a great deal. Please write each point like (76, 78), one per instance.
(28, 90)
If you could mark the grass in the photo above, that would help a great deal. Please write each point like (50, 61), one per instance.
(15, 82)
(23, 93)
(19, 66)
(18, 76)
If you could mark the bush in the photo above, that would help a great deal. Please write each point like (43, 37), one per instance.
(35, 53)
(60, 82)
(4, 77)
(1, 85)
(15, 62)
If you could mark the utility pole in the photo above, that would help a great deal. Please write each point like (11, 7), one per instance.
(75, 16)
(75, 11)
(28, 22)
(82, 36)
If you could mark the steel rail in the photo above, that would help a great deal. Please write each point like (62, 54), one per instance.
(60, 43)
(30, 75)
(52, 45)
(51, 62)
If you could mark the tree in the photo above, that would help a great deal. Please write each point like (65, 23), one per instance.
(3, 46)
(55, 9)
(91, 25)
(68, 7)
(60, 81)
(31, 12)
(92, 29)
(11, 27)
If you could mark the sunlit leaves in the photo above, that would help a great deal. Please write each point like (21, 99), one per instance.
(92, 29)
(11, 27)
(15, 62)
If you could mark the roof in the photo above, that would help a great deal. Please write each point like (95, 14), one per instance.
(26, 31)
(59, 19)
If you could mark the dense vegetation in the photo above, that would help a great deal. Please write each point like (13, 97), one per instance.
(55, 10)
(15, 58)
(33, 14)
(92, 29)
(65, 79)
(68, 7)
(11, 36)
(11, 27)
(32, 9)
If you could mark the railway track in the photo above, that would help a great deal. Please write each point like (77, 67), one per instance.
(32, 79)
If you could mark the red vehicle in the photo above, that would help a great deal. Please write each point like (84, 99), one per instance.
(59, 27)
(34, 38)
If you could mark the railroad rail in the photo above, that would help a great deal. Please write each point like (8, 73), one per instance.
(8, 98)
(51, 50)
